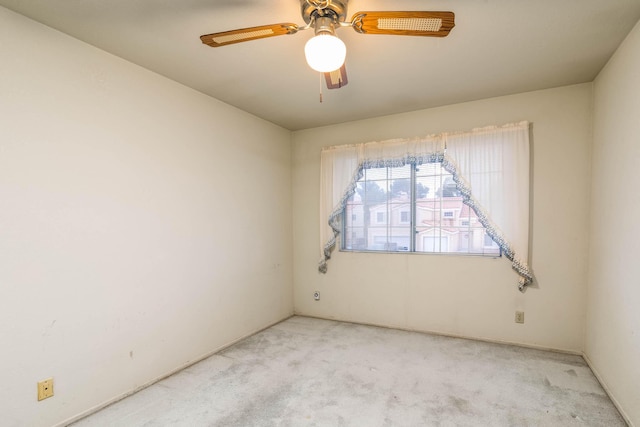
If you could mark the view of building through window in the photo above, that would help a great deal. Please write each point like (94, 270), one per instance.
(414, 209)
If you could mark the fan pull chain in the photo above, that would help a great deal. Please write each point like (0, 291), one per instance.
(320, 86)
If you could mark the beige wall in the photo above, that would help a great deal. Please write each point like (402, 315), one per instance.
(613, 305)
(142, 224)
(467, 296)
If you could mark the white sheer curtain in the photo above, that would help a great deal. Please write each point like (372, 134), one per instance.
(490, 167)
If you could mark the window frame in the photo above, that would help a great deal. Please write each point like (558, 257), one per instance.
(412, 224)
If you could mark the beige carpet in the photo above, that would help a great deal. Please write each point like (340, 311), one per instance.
(310, 372)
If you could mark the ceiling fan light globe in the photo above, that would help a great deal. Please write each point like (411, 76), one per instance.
(325, 53)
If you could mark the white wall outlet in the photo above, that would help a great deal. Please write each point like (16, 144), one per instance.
(316, 296)
(519, 316)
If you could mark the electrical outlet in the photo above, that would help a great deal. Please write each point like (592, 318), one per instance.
(45, 389)
(316, 296)
(519, 316)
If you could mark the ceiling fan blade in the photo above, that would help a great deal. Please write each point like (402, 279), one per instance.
(246, 34)
(336, 79)
(430, 24)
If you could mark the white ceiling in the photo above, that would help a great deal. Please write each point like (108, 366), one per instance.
(497, 47)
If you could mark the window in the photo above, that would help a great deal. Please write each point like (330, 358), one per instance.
(412, 209)
(479, 176)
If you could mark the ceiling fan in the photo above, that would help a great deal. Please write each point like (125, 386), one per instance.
(325, 52)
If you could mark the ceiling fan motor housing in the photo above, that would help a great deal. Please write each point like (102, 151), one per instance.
(337, 9)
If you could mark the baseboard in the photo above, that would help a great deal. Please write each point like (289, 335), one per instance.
(118, 398)
(445, 334)
(607, 390)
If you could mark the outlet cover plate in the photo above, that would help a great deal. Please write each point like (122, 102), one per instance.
(45, 389)
(519, 316)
